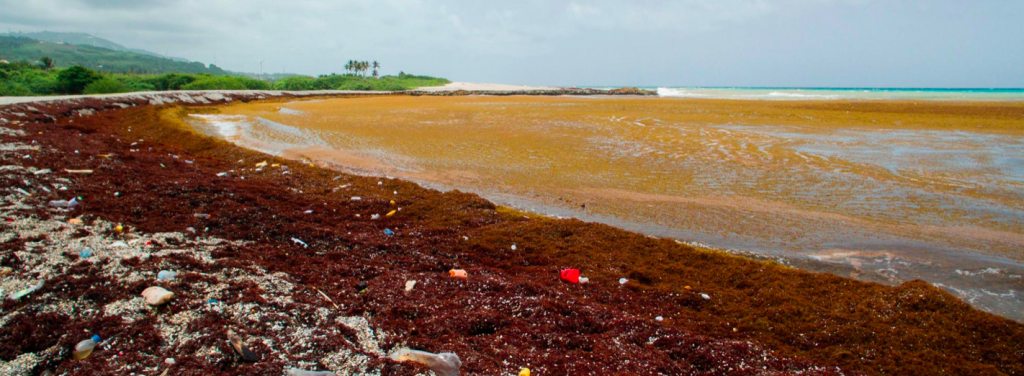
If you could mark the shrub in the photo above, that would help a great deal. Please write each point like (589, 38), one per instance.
(13, 89)
(215, 83)
(74, 80)
(294, 83)
(356, 85)
(105, 85)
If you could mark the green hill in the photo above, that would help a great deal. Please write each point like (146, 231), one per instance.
(18, 49)
(83, 39)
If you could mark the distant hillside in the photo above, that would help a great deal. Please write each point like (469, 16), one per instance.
(102, 59)
(83, 39)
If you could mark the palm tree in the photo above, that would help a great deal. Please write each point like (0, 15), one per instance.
(376, 68)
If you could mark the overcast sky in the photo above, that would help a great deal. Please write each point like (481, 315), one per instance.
(907, 43)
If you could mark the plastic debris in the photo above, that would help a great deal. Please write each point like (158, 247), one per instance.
(388, 232)
(84, 349)
(26, 291)
(513, 247)
(166, 275)
(87, 252)
(299, 372)
(310, 211)
(64, 203)
(374, 216)
(659, 318)
(222, 174)
(584, 280)
(458, 273)
(78, 171)
(390, 213)
(688, 288)
(169, 361)
(22, 191)
(571, 275)
(262, 164)
(157, 295)
(409, 285)
(443, 364)
(240, 348)
(300, 242)
(42, 172)
(75, 221)
(357, 198)
(120, 244)
(201, 215)
(705, 296)
(119, 229)
(392, 202)
(524, 372)
(622, 281)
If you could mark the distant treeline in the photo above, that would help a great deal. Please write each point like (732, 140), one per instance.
(41, 78)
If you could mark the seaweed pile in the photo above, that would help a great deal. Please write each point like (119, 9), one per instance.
(283, 254)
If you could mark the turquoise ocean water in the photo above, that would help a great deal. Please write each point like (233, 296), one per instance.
(815, 93)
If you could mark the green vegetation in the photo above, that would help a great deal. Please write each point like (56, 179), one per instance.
(24, 79)
(43, 68)
(97, 58)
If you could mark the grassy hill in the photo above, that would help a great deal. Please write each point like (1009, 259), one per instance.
(83, 39)
(17, 49)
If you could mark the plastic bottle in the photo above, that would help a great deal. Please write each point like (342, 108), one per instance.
(443, 364)
(84, 349)
(166, 274)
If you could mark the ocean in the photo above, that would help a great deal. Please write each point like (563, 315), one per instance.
(829, 93)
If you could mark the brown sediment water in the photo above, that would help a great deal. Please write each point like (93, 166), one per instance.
(938, 187)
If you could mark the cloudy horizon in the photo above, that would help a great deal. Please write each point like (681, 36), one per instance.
(810, 43)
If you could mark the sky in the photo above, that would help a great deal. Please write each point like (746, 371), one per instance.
(799, 43)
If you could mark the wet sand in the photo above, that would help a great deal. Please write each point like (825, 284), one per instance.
(896, 191)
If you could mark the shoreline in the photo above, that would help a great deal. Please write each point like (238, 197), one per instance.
(753, 310)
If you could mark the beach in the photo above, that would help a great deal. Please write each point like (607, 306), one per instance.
(304, 261)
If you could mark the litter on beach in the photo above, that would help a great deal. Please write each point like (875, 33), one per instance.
(300, 242)
(443, 364)
(458, 273)
(388, 232)
(571, 275)
(78, 171)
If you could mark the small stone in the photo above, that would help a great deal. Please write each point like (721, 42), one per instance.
(169, 361)
(157, 295)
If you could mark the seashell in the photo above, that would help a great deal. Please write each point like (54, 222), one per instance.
(157, 295)
(409, 285)
(83, 349)
(240, 348)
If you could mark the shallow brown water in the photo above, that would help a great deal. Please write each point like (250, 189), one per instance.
(891, 191)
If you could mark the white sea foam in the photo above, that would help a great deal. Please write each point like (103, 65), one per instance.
(228, 126)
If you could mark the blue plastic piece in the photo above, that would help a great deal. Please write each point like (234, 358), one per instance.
(388, 232)
(87, 252)
(96, 338)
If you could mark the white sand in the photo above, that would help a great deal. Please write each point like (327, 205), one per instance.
(473, 86)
